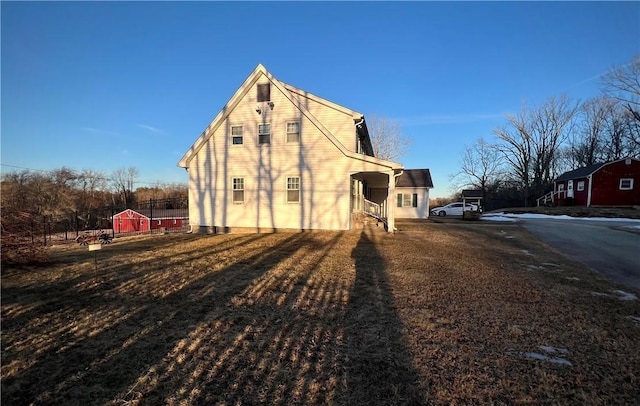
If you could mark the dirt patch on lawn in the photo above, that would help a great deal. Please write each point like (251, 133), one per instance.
(435, 314)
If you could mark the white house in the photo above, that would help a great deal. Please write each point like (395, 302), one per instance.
(412, 188)
(277, 157)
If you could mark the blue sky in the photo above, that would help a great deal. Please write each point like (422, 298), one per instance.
(105, 85)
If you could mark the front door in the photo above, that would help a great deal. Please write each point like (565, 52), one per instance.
(570, 189)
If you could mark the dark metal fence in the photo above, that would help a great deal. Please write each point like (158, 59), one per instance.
(149, 217)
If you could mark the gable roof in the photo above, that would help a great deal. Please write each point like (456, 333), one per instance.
(130, 213)
(587, 170)
(158, 214)
(286, 91)
(415, 178)
(580, 172)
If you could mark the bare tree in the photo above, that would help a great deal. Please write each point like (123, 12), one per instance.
(587, 144)
(387, 139)
(517, 148)
(123, 180)
(623, 83)
(481, 167)
(532, 140)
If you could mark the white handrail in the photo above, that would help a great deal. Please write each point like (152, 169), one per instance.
(373, 209)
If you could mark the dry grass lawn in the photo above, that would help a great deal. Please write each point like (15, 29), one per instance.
(451, 313)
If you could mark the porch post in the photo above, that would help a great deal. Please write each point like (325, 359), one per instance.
(391, 208)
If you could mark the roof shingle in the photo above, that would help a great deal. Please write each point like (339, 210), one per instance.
(415, 178)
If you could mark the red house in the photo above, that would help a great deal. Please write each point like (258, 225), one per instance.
(614, 183)
(129, 221)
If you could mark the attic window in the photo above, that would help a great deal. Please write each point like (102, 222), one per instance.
(264, 92)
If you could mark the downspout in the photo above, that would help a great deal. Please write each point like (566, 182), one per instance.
(359, 145)
(392, 207)
(589, 178)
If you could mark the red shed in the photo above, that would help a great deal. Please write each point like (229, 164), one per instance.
(612, 183)
(129, 221)
(167, 218)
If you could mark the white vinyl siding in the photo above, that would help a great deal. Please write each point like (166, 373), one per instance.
(412, 203)
(324, 200)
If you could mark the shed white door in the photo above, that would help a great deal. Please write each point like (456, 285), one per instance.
(570, 189)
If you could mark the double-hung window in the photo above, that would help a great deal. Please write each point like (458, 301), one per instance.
(238, 190)
(407, 200)
(293, 132)
(626, 184)
(236, 135)
(293, 190)
(264, 134)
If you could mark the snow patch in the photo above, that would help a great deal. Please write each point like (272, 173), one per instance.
(572, 278)
(494, 217)
(622, 295)
(618, 294)
(561, 217)
(551, 350)
(635, 319)
(547, 350)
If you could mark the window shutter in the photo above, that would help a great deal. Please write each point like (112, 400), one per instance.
(414, 200)
(399, 199)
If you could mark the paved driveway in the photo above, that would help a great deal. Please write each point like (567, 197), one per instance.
(601, 245)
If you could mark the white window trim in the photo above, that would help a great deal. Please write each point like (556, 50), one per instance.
(233, 189)
(259, 134)
(580, 186)
(286, 132)
(404, 197)
(630, 184)
(231, 134)
(286, 186)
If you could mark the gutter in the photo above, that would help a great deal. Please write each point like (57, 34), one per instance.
(395, 181)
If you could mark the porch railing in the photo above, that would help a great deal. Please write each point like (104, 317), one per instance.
(374, 210)
(551, 197)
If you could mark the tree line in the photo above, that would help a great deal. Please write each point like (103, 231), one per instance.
(540, 142)
(60, 191)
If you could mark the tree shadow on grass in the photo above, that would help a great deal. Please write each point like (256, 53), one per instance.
(101, 344)
(379, 366)
(253, 320)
